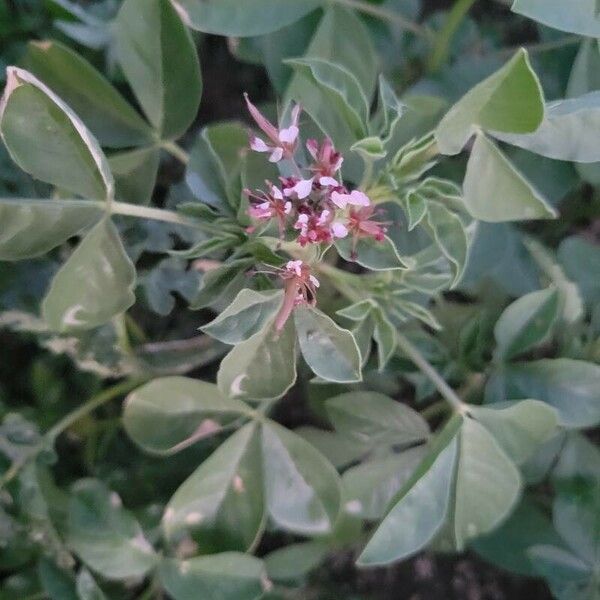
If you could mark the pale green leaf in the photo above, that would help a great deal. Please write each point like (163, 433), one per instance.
(104, 535)
(171, 413)
(99, 105)
(302, 488)
(94, 285)
(495, 191)
(580, 16)
(511, 100)
(49, 141)
(226, 576)
(87, 588)
(263, 367)
(370, 253)
(151, 40)
(245, 316)
(526, 323)
(33, 227)
(295, 561)
(220, 506)
(330, 351)
(135, 174)
(255, 17)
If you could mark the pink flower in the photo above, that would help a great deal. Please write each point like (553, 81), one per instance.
(360, 225)
(283, 141)
(355, 198)
(270, 206)
(327, 161)
(300, 288)
(301, 189)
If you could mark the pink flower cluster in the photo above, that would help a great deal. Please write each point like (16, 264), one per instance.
(315, 204)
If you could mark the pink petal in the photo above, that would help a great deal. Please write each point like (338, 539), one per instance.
(258, 145)
(276, 156)
(261, 121)
(358, 198)
(339, 230)
(329, 182)
(287, 208)
(289, 135)
(340, 200)
(314, 281)
(296, 115)
(276, 192)
(313, 147)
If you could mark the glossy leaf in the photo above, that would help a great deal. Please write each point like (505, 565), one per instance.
(372, 418)
(94, 285)
(49, 141)
(330, 351)
(570, 386)
(526, 323)
(228, 17)
(263, 367)
(302, 488)
(226, 576)
(245, 316)
(33, 227)
(170, 413)
(104, 535)
(99, 105)
(511, 100)
(220, 506)
(577, 17)
(495, 191)
(519, 427)
(151, 39)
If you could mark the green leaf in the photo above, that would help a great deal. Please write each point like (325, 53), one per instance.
(372, 418)
(99, 105)
(302, 488)
(370, 149)
(567, 131)
(487, 485)
(150, 40)
(245, 316)
(369, 487)
(226, 576)
(220, 506)
(580, 257)
(58, 584)
(570, 386)
(94, 285)
(295, 561)
(526, 322)
(384, 334)
(420, 507)
(49, 141)
(577, 17)
(31, 228)
(495, 191)
(263, 367)
(87, 588)
(256, 17)
(171, 413)
(340, 103)
(450, 236)
(371, 254)
(104, 535)
(135, 174)
(330, 351)
(519, 427)
(507, 546)
(511, 101)
(218, 282)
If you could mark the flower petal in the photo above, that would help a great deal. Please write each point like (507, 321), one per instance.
(339, 230)
(261, 121)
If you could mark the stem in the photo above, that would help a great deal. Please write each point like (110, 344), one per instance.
(175, 150)
(439, 54)
(385, 15)
(440, 383)
(50, 436)
(436, 409)
(156, 214)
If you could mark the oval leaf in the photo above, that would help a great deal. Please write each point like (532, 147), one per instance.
(95, 284)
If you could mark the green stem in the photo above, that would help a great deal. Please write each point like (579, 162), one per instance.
(385, 15)
(155, 214)
(67, 421)
(440, 383)
(443, 39)
(175, 150)
(435, 410)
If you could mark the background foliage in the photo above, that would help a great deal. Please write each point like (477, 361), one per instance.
(444, 396)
